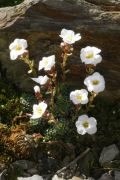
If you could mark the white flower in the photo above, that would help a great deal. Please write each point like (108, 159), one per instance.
(79, 96)
(85, 125)
(95, 83)
(69, 36)
(34, 177)
(41, 79)
(90, 55)
(38, 110)
(37, 89)
(47, 63)
(17, 48)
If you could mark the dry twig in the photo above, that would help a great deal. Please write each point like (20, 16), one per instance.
(74, 161)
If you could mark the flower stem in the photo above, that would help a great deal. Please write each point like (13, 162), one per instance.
(63, 66)
(91, 99)
(77, 110)
(53, 87)
(31, 65)
(89, 68)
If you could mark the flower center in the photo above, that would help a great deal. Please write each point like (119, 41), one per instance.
(85, 124)
(45, 62)
(18, 48)
(95, 82)
(90, 55)
(79, 97)
(69, 37)
(39, 111)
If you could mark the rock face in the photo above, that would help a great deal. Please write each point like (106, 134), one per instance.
(35, 177)
(106, 177)
(40, 22)
(109, 153)
(117, 175)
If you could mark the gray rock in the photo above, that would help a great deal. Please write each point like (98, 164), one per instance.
(2, 165)
(117, 175)
(106, 176)
(55, 177)
(80, 178)
(2, 175)
(17, 168)
(76, 178)
(109, 153)
(35, 177)
(32, 171)
(26, 174)
(24, 164)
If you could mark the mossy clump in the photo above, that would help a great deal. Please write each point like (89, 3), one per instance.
(27, 100)
(9, 102)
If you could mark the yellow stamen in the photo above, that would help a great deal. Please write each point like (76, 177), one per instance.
(79, 97)
(18, 48)
(69, 37)
(39, 110)
(95, 82)
(85, 124)
(90, 55)
(45, 62)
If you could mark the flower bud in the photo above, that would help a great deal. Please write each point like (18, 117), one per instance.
(62, 44)
(37, 89)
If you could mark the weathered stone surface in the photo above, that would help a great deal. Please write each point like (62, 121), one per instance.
(55, 177)
(2, 175)
(32, 171)
(109, 153)
(2, 167)
(35, 177)
(117, 175)
(24, 164)
(40, 22)
(80, 178)
(106, 176)
(76, 178)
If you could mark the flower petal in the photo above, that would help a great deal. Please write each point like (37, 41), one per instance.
(96, 50)
(63, 32)
(12, 46)
(81, 131)
(92, 121)
(43, 105)
(37, 80)
(92, 130)
(41, 66)
(13, 55)
(97, 58)
(24, 44)
(81, 119)
(77, 37)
